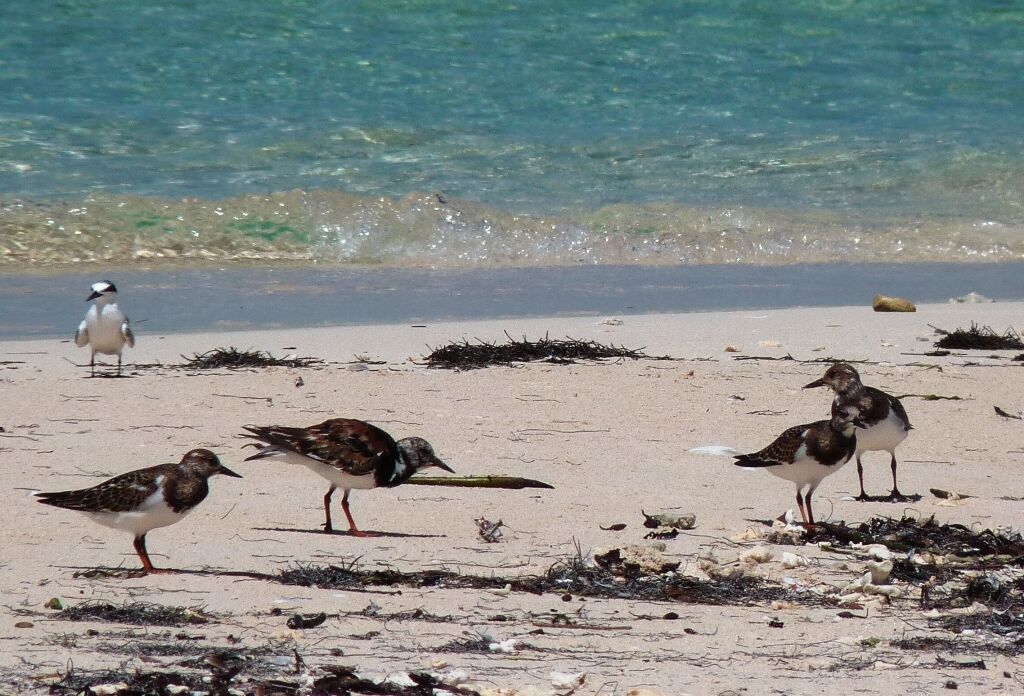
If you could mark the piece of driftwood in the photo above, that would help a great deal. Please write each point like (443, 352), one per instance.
(1006, 414)
(513, 483)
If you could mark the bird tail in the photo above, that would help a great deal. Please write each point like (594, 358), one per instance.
(70, 500)
(750, 461)
(272, 440)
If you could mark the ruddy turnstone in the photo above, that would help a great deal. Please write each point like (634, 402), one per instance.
(105, 328)
(351, 454)
(806, 454)
(145, 499)
(886, 424)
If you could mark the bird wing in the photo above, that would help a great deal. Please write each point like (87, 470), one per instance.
(901, 412)
(126, 332)
(352, 445)
(82, 334)
(781, 451)
(119, 494)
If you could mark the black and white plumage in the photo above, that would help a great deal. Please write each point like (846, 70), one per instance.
(886, 423)
(105, 328)
(806, 454)
(142, 500)
(350, 453)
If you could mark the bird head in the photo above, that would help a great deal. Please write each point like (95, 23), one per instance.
(420, 455)
(104, 289)
(839, 378)
(204, 463)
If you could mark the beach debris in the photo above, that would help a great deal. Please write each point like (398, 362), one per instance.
(948, 495)
(303, 621)
(756, 555)
(489, 531)
(134, 613)
(769, 344)
(232, 358)
(561, 681)
(791, 560)
(930, 397)
(879, 571)
(631, 560)
(731, 349)
(617, 527)
(508, 482)
(884, 303)
(470, 356)
(686, 520)
(54, 603)
(970, 298)
(611, 322)
(299, 382)
(1006, 414)
(714, 449)
(979, 338)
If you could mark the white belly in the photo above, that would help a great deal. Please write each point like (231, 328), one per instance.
(806, 470)
(105, 332)
(336, 476)
(885, 435)
(154, 512)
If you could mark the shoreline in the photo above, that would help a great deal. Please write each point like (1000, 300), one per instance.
(262, 297)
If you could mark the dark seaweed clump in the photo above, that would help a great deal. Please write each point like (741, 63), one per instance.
(233, 359)
(470, 356)
(337, 681)
(980, 338)
(134, 613)
(605, 579)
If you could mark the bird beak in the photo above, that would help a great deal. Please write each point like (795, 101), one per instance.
(93, 296)
(815, 383)
(441, 465)
(228, 472)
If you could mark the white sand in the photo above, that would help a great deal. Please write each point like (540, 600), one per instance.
(613, 439)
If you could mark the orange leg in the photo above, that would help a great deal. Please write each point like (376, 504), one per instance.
(328, 527)
(352, 529)
(800, 504)
(895, 495)
(147, 565)
(860, 475)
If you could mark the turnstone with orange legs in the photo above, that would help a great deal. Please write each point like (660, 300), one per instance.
(806, 454)
(350, 453)
(886, 424)
(145, 499)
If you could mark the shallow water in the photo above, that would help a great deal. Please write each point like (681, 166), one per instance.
(478, 134)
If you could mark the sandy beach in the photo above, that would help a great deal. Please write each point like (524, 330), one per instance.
(613, 438)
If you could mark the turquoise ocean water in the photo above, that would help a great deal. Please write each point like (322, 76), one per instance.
(475, 134)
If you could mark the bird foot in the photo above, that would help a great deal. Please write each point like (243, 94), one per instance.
(897, 497)
(863, 497)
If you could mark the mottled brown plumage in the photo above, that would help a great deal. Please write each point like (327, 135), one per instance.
(145, 499)
(349, 453)
(886, 423)
(806, 454)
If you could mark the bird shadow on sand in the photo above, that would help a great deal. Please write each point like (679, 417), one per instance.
(340, 532)
(913, 498)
